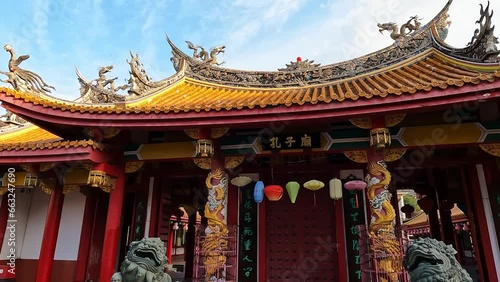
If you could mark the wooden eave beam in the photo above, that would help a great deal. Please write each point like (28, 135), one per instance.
(418, 102)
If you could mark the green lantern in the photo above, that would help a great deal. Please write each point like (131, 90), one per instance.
(292, 188)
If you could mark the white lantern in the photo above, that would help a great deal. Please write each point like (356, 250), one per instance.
(335, 189)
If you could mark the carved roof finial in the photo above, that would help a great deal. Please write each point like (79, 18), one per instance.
(299, 64)
(203, 56)
(412, 25)
(21, 79)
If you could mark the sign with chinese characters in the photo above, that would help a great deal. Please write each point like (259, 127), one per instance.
(291, 141)
(247, 254)
(139, 216)
(354, 215)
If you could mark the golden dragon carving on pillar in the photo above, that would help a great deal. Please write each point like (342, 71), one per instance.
(216, 232)
(381, 230)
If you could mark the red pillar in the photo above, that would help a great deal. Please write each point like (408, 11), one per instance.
(49, 241)
(170, 243)
(4, 214)
(477, 219)
(85, 237)
(112, 233)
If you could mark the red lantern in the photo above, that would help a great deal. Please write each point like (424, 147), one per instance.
(273, 192)
(299, 59)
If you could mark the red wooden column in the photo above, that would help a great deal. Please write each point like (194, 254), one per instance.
(4, 216)
(170, 243)
(113, 221)
(85, 235)
(480, 235)
(49, 241)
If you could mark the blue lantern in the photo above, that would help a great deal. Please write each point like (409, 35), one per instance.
(258, 192)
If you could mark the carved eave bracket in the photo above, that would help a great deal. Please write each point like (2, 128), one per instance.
(492, 149)
(230, 163)
(390, 120)
(215, 133)
(361, 156)
(102, 133)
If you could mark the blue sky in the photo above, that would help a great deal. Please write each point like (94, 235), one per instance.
(259, 34)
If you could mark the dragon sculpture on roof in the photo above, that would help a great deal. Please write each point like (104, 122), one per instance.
(104, 90)
(204, 56)
(21, 79)
(413, 24)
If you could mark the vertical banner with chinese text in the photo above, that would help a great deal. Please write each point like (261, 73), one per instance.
(248, 232)
(354, 215)
(140, 215)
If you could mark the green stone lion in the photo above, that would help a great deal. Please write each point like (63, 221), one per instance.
(144, 262)
(430, 260)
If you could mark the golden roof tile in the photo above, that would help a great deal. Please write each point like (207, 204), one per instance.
(27, 133)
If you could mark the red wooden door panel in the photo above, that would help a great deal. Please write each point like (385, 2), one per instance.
(301, 241)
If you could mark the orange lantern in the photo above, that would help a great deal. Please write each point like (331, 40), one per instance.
(273, 192)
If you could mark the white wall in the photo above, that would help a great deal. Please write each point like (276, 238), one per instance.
(31, 212)
(23, 202)
(70, 229)
(35, 225)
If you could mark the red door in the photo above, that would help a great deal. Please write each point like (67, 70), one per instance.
(301, 241)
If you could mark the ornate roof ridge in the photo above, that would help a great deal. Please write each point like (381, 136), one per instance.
(424, 72)
(482, 46)
(406, 46)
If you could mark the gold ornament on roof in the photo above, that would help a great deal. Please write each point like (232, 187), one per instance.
(412, 25)
(204, 56)
(21, 79)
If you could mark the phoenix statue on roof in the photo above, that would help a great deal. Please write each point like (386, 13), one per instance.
(21, 79)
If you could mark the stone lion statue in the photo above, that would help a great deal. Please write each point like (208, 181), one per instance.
(145, 262)
(430, 260)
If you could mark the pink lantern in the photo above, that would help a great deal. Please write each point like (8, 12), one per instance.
(355, 185)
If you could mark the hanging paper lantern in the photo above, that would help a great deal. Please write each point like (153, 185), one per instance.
(273, 192)
(355, 185)
(335, 189)
(292, 188)
(241, 181)
(258, 192)
(314, 185)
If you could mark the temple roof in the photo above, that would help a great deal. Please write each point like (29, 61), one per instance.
(419, 66)
(421, 219)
